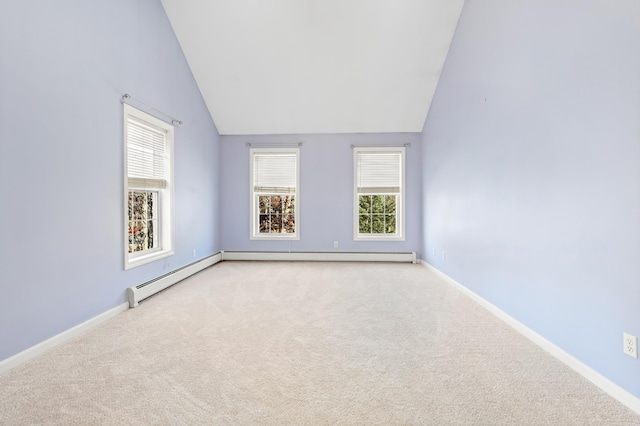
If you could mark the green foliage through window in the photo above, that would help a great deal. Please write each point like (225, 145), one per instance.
(377, 214)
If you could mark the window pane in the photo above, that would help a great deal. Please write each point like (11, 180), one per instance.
(390, 223)
(390, 204)
(265, 223)
(364, 203)
(153, 240)
(276, 204)
(289, 224)
(364, 225)
(377, 204)
(276, 223)
(150, 205)
(137, 203)
(288, 205)
(139, 237)
(130, 235)
(377, 224)
(130, 208)
(263, 203)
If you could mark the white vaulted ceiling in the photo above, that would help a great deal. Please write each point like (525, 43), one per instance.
(315, 66)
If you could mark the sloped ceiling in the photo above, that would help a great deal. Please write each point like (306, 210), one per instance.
(315, 66)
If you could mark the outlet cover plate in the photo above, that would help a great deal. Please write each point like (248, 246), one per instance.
(630, 345)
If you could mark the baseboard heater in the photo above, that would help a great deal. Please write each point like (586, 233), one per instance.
(142, 291)
(320, 256)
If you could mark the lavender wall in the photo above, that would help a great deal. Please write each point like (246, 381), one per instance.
(63, 67)
(326, 193)
(532, 170)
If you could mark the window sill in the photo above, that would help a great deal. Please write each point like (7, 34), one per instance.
(147, 258)
(378, 238)
(275, 237)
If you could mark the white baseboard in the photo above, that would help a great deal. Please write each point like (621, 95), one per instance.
(42, 347)
(585, 371)
(319, 256)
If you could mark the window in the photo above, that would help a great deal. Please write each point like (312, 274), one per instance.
(148, 159)
(379, 193)
(274, 193)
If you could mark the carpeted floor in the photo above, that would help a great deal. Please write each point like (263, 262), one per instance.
(305, 343)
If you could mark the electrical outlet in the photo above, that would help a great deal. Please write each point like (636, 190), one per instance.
(630, 345)
(194, 252)
(335, 244)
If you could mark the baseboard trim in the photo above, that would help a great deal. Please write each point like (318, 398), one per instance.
(58, 339)
(320, 256)
(615, 391)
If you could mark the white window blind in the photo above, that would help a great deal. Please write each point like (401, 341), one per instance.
(274, 173)
(378, 172)
(146, 156)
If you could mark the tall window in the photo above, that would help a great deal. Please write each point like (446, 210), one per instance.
(274, 193)
(148, 148)
(379, 193)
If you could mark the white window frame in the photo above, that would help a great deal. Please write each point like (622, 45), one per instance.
(164, 202)
(400, 200)
(255, 216)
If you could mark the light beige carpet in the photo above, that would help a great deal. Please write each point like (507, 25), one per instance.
(304, 343)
